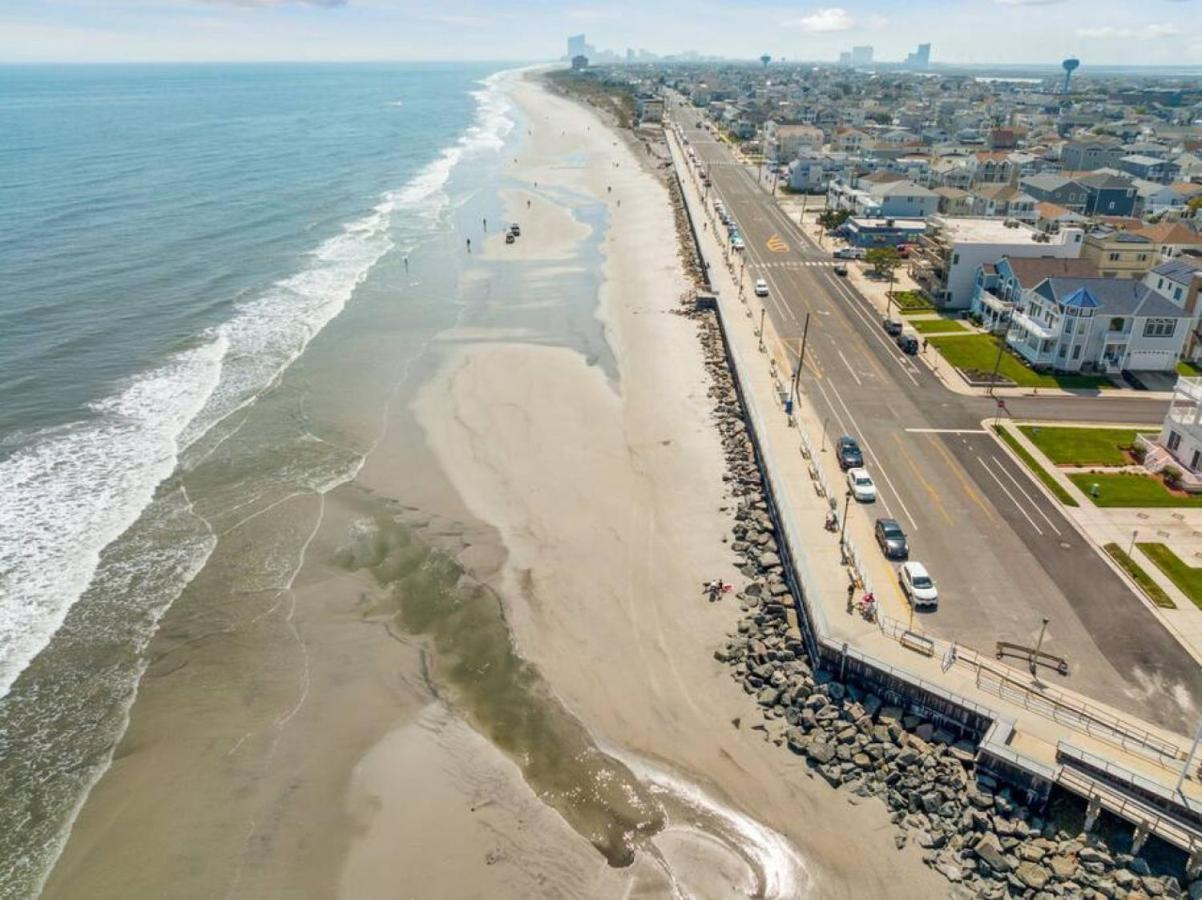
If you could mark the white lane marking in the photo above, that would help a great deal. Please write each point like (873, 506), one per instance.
(1006, 491)
(1023, 491)
(849, 368)
(947, 431)
(890, 349)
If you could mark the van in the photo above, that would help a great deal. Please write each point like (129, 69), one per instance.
(849, 253)
(908, 341)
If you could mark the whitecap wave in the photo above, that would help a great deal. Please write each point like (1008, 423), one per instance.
(68, 493)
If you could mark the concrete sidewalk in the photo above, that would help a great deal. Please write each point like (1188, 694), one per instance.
(805, 479)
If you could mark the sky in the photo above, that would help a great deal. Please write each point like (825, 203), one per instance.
(1109, 32)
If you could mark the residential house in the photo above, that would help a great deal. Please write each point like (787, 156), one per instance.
(1051, 188)
(1097, 324)
(882, 195)
(954, 201)
(1120, 254)
(1107, 194)
(1002, 283)
(868, 233)
(1173, 239)
(991, 167)
(1180, 440)
(850, 140)
(1052, 216)
(1004, 200)
(791, 141)
(1086, 156)
(944, 263)
(1147, 167)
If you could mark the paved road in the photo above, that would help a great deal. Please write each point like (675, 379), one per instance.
(1003, 555)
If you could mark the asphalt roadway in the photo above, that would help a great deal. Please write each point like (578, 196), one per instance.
(1003, 555)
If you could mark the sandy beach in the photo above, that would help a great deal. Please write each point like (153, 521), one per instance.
(491, 667)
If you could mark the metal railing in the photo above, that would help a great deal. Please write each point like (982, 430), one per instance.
(1123, 806)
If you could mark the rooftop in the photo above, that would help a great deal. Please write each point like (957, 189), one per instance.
(986, 230)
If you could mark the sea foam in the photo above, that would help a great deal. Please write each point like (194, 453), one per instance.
(67, 493)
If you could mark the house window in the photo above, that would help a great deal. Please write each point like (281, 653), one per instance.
(1077, 352)
(1060, 353)
(1177, 294)
(1159, 327)
(1193, 460)
(1143, 257)
(1114, 257)
(1174, 440)
(1116, 324)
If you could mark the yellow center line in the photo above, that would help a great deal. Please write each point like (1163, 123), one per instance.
(930, 488)
(956, 469)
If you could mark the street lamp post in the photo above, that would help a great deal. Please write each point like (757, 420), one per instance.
(843, 525)
(1039, 645)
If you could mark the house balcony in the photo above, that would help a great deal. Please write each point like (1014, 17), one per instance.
(1158, 457)
(1030, 326)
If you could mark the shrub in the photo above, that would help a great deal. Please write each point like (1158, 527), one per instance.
(1171, 476)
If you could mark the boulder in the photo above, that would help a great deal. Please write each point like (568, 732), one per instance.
(989, 849)
(1032, 875)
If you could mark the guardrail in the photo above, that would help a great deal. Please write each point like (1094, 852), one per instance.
(1163, 826)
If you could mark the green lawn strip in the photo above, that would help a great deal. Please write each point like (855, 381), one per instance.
(1188, 578)
(1130, 490)
(1060, 492)
(1154, 591)
(912, 301)
(979, 353)
(1081, 446)
(1188, 369)
(935, 326)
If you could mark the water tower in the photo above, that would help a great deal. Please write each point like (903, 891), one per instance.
(765, 59)
(1069, 66)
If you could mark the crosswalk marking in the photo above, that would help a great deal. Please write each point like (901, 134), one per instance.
(796, 264)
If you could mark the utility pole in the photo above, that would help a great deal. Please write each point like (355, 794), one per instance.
(997, 364)
(801, 358)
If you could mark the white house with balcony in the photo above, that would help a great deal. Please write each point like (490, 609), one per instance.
(1179, 443)
(1098, 325)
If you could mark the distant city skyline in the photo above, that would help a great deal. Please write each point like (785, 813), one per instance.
(1160, 32)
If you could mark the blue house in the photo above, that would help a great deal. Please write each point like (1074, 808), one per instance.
(870, 232)
(1108, 195)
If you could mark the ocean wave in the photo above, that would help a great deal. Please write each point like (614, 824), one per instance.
(67, 494)
(70, 493)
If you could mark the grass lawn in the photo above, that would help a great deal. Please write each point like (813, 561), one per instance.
(1082, 446)
(1186, 577)
(979, 352)
(1188, 369)
(912, 301)
(936, 326)
(1033, 464)
(1154, 591)
(1129, 489)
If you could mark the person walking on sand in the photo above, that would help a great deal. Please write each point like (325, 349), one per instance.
(486, 224)
(469, 245)
(406, 263)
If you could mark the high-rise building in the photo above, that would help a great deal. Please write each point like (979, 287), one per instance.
(920, 59)
(845, 58)
(861, 56)
(577, 46)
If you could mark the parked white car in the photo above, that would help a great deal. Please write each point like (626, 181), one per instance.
(736, 243)
(918, 585)
(761, 287)
(861, 486)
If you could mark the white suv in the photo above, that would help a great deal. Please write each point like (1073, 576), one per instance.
(918, 585)
(761, 287)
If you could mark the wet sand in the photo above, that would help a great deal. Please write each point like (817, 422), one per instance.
(323, 739)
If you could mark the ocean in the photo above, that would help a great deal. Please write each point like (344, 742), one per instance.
(173, 240)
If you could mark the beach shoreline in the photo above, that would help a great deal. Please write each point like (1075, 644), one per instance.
(312, 746)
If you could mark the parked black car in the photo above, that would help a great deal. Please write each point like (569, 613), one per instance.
(892, 539)
(848, 453)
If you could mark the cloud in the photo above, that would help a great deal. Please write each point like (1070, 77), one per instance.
(828, 18)
(1145, 31)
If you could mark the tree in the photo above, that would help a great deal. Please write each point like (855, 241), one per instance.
(831, 219)
(883, 260)
(1194, 205)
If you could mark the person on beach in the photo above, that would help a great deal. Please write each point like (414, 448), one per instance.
(469, 245)
(486, 224)
(406, 263)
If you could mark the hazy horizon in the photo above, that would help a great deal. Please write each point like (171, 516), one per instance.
(1163, 33)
